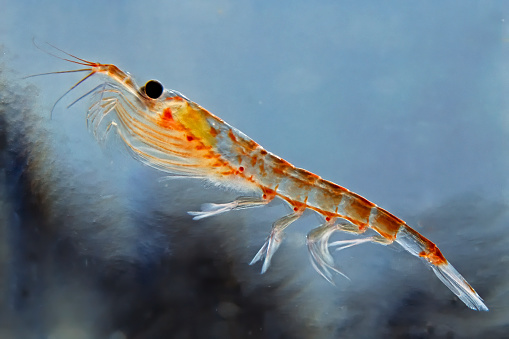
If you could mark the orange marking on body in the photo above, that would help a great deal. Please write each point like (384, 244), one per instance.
(115, 72)
(306, 176)
(209, 156)
(268, 193)
(331, 187)
(363, 226)
(298, 206)
(363, 200)
(279, 166)
(279, 171)
(281, 162)
(471, 288)
(262, 169)
(358, 208)
(434, 256)
(243, 146)
(251, 144)
(166, 119)
(431, 253)
(328, 215)
(301, 183)
(218, 164)
(213, 132)
(386, 223)
(254, 160)
(232, 136)
(326, 196)
(263, 152)
(129, 82)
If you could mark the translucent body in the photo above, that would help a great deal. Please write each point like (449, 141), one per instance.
(175, 135)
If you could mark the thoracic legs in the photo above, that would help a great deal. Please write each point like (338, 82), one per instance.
(318, 246)
(317, 239)
(274, 240)
(210, 209)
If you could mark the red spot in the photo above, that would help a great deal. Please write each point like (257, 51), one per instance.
(166, 119)
(297, 205)
(328, 215)
(190, 138)
(213, 132)
(263, 152)
(241, 169)
(268, 193)
(167, 114)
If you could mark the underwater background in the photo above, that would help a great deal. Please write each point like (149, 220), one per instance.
(405, 103)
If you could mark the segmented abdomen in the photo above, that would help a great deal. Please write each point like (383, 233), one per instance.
(299, 187)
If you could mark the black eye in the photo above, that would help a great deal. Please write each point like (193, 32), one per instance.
(153, 89)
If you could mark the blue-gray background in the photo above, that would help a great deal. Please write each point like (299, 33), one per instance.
(402, 102)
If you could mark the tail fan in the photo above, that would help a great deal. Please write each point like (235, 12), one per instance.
(421, 247)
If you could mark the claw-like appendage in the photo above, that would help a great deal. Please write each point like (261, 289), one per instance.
(273, 240)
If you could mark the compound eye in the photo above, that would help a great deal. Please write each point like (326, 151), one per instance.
(153, 89)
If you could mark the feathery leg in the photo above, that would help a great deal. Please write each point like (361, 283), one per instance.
(319, 253)
(274, 240)
(317, 241)
(240, 203)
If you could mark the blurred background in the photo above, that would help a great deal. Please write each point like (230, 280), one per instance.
(402, 102)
